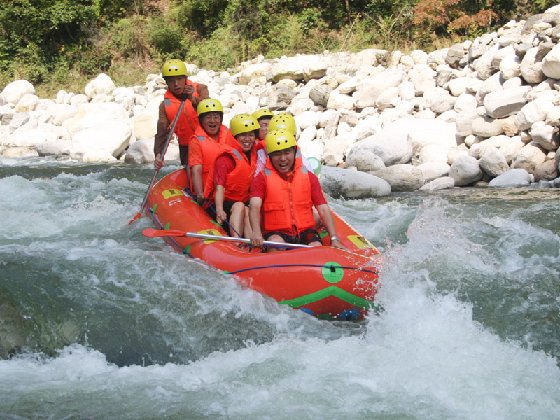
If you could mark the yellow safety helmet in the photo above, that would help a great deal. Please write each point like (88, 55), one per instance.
(243, 123)
(262, 113)
(174, 67)
(279, 140)
(209, 105)
(284, 122)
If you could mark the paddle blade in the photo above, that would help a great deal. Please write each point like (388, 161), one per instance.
(135, 218)
(158, 233)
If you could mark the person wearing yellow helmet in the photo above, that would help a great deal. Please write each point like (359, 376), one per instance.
(283, 196)
(284, 121)
(180, 90)
(263, 117)
(207, 143)
(229, 182)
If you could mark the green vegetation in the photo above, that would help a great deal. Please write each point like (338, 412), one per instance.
(61, 43)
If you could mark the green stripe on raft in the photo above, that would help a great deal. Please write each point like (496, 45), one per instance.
(325, 293)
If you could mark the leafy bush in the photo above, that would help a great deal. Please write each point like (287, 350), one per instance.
(129, 38)
(53, 41)
(448, 16)
(165, 37)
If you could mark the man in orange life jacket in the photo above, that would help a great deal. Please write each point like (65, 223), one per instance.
(229, 181)
(286, 192)
(206, 144)
(179, 88)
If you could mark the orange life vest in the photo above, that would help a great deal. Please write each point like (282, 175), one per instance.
(238, 181)
(211, 148)
(188, 120)
(287, 205)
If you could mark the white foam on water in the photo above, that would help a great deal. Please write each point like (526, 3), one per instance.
(423, 357)
(65, 204)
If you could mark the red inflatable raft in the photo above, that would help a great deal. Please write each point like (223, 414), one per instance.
(324, 281)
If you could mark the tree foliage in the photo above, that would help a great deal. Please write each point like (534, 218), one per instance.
(43, 40)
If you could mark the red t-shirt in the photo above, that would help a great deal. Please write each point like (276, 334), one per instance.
(258, 188)
(223, 166)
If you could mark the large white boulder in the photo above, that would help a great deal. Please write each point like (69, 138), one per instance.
(369, 90)
(335, 149)
(301, 67)
(142, 151)
(402, 177)
(503, 103)
(144, 126)
(99, 129)
(438, 99)
(254, 71)
(465, 171)
(528, 158)
(432, 170)
(363, 157)
(14, 91)
(101, 85)
(338, 182)
(551, 63)
(493, 162)
(339, 100)
(392, 144)
(513, 178)
(544, 135)
(27, 103)
(443, 183)
(533, 112)
(531, 68)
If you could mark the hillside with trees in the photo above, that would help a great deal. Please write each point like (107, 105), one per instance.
(61, 42)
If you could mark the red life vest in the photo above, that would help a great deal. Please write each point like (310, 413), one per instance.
(238, 181)
(288, 205)
(188, 120)
(211, 148)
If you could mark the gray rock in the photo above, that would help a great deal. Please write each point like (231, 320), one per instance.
(320, 94)
(454, 55)
(546, 171)
(512, 179)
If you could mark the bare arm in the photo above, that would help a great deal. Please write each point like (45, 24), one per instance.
(255, 205)
(197, 181)
(219, 201)
(203, 93)
(160, 137)
(325, 213)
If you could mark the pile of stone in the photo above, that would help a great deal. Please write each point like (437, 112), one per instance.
(483, 112)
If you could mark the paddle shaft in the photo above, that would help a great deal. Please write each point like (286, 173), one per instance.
(154, 233)
(165, 146)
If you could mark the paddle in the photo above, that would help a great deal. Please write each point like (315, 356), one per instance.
(156, 233)
(154, 178)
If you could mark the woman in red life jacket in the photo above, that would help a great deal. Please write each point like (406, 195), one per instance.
(229, 182)
(284, 193)
(206, 144)
(179, 88)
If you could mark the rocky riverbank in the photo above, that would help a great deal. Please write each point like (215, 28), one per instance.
(483, 112)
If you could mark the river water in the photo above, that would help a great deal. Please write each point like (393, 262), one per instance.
(97, 321)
